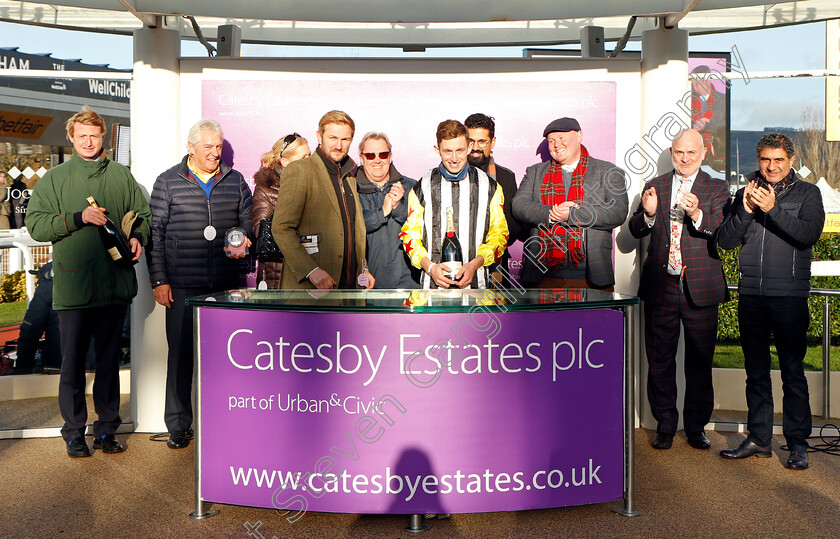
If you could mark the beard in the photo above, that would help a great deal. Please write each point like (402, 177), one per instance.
(478, 160)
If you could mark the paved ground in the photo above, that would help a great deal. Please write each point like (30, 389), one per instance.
(148, 492)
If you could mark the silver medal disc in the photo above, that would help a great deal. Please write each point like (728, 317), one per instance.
(209, 233)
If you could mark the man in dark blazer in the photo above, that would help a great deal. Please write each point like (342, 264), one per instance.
(570, 204)
(681, 284)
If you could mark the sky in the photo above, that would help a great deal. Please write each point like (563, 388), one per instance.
(755, 105)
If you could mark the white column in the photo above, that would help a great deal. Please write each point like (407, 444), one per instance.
(666, 109)
(666, 97)
(155, 129)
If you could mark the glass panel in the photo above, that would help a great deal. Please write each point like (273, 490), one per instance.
(29, 387)
(413, 300)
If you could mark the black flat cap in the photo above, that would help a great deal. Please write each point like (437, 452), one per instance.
(562, 125)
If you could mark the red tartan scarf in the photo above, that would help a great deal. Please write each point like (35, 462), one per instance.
(701, 109)
(558, 242)
(562, 295)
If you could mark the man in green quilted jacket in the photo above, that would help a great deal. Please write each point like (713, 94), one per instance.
(91, 292)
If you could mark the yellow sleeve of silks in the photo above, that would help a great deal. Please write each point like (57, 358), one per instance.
(497, 234)
(417, 298)
(411, 234)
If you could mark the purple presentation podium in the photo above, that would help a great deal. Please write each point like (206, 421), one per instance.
(414, 402)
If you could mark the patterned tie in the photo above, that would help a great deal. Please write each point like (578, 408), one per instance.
(677, 216)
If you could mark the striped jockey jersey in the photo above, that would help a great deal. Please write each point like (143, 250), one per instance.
(470, 199)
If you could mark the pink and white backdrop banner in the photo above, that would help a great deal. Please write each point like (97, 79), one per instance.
(254, 114)
(258, 101)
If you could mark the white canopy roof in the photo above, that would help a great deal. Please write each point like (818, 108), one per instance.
(831, 197)
(430, 23)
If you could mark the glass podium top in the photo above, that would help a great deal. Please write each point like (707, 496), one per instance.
(406, 301)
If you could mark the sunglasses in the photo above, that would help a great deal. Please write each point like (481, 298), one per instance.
(382, 155)
(288, 140)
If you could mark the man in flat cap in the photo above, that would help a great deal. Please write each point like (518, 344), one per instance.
(571, 204)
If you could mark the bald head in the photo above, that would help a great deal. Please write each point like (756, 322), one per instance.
(687, 152)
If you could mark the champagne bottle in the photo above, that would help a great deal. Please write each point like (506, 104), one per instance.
(115, 242)
(450, 250)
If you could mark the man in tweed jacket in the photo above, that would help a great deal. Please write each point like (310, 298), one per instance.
(318, 222)
(685, 288)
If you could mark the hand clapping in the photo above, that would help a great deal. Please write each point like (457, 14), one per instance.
(393, 198)
(650, 201)
(691, 205)
(759, 197)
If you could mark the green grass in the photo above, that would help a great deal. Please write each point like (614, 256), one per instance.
(729, 356)
(12, 313)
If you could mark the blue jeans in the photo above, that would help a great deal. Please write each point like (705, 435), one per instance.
(787, 318)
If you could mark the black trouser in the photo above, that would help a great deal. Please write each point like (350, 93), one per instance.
(78, 326)
(178, 411)
(787, 318)
(662, 335)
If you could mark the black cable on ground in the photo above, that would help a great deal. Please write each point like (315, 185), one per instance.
(829, 444)
(164, 436)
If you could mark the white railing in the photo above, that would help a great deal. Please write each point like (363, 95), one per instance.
(34, 253)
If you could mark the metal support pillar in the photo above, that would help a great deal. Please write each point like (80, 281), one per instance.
(630, 332)
(826, 359)
(202, 508)
(416, 524)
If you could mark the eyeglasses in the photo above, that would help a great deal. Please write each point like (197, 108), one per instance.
(382, 155)
(288, 140)
(482, 143)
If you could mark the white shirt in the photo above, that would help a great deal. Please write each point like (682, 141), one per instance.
(570, 167)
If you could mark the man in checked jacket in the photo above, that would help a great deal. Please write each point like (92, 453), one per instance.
(682, 281)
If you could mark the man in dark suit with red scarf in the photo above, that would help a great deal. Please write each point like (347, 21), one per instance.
(572, 204)
(682, 282)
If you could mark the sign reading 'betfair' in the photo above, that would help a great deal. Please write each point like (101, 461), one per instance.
(21, 125)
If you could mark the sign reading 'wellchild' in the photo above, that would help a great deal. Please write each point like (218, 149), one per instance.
(411, 413)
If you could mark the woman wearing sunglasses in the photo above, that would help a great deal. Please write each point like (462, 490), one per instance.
(286, 150)
(383, 193)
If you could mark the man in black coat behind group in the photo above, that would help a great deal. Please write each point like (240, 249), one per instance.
(481, 136)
